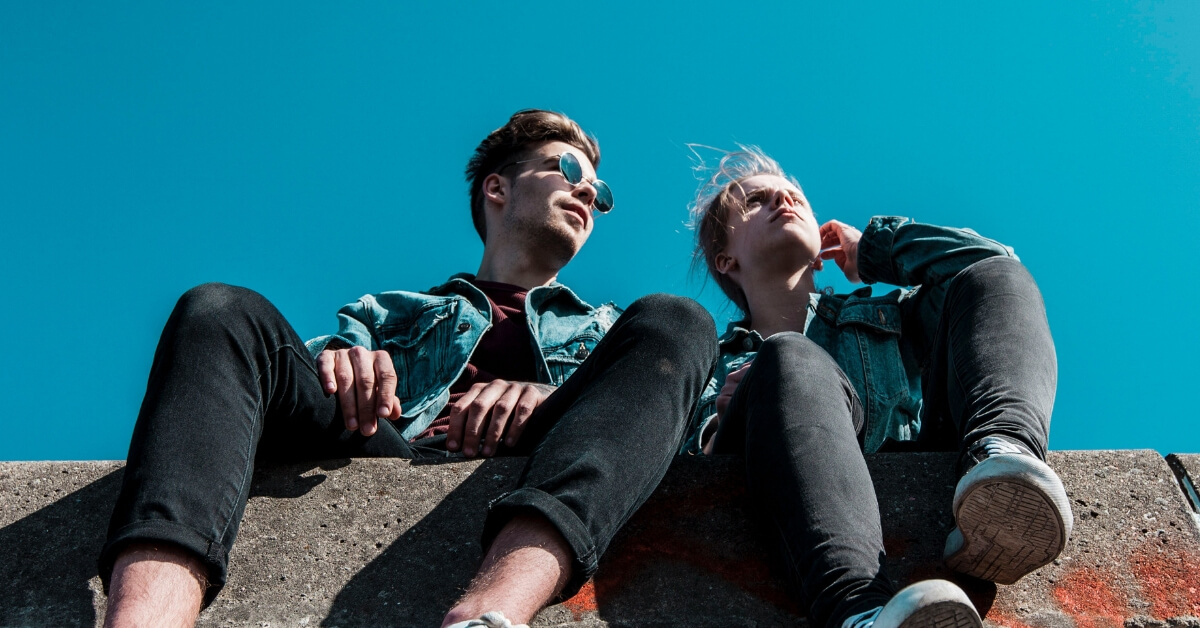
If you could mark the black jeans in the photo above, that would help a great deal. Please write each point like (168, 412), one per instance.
(232, 384)
(990, 370)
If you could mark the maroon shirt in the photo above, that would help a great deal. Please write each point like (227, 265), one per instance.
(505, 351)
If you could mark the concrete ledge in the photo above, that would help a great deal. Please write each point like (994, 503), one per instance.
(374, 542)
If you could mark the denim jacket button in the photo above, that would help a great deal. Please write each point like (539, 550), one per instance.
(464, 326)
(582, 352)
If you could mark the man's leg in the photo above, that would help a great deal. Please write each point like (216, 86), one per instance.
(229, 373)
(993, 373)
(797, 420)
(602, 442)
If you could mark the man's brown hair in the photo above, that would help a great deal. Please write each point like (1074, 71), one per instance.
(512, 142)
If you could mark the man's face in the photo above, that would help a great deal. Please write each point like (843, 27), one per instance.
(545, 210)
(777, 232)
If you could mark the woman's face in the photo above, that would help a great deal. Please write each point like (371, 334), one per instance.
(777, 232)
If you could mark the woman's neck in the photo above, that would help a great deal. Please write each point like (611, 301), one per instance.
(779, 303)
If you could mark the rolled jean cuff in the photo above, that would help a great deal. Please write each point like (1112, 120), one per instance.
(531, 500)
(214, 555)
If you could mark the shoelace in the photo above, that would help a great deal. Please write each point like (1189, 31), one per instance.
(862, 620)
(996, 446)
(987, 447)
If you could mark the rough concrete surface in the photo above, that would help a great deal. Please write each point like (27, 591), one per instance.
(388, 542)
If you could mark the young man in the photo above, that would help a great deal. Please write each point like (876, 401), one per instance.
(809, 380)
(505, 361)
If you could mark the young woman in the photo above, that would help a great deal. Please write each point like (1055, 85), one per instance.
(807, 381)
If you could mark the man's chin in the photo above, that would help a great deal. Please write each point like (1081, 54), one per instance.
(557, 247)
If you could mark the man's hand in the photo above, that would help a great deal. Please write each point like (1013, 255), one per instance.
(487, 410)
(731, 383)
(365, 383)
(839, 234)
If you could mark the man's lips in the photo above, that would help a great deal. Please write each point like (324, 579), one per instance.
(580, 210)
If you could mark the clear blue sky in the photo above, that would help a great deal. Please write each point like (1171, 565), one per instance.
(315, 153)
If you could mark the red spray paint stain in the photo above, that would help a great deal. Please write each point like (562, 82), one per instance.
(660, 532)
(1089, 598)
(583, 602)
(1006, 621)
(1169, 579)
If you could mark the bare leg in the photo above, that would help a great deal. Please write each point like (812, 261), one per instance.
(155, 586)
(526, 566)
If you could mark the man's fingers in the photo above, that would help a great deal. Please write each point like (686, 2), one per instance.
(458, 418)
(501, 412)
(325, 362)
(363, 362)
(722, 404)
(344, 376)
(385, 385)
(529, 400)
(477, 415)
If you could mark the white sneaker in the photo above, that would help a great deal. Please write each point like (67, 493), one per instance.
(926, 604)
(1011, 513)
(495, 619)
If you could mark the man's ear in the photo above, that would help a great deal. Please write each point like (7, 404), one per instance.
(724, 263)
(495, 189)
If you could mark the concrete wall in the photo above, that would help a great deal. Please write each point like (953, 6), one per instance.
(388, 542)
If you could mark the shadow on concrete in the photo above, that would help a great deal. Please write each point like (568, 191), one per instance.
(52, 553)
(288, 481)
(422, 573)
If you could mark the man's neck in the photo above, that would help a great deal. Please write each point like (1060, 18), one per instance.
(516, 268)
(779, 303)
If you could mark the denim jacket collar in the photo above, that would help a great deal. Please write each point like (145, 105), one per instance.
(739, 338)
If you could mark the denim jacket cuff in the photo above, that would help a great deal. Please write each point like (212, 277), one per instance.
(321, 343)
(875, 249)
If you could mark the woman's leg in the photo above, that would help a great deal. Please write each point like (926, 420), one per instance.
(797, 420)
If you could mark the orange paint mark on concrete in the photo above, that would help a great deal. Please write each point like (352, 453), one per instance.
(1088, 596)
(663, 531)
(1006, 621)
(1169, 579)
(583, 602)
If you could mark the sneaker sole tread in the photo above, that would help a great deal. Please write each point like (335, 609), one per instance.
(1009, 529)
(942, 615)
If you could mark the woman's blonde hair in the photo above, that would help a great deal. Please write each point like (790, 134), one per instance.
(714, 201)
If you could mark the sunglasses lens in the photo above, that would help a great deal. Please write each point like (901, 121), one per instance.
(604, 197)
(569, 165)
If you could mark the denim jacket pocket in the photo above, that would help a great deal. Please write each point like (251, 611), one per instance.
(870, 356)
(419, 348)
(562, 360)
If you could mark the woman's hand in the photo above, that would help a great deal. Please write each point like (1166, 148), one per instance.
(731, 383)
(839, 242)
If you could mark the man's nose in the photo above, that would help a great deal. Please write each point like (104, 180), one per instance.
(585, 192)
(782, 198)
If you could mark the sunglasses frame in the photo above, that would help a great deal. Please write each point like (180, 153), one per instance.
(569, 160)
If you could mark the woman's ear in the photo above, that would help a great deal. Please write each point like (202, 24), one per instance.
(724, 263)
(495, 189)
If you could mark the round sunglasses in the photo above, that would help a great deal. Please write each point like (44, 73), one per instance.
(572, 171)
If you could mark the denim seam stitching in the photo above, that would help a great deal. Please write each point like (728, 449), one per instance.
(248, 469)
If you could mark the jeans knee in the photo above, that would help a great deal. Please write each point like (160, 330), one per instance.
(220, 303)
(793, 352)
(675, 317)
(799, 365)
(995, 275)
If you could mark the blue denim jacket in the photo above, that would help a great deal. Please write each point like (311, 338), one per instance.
(431, 336)
(863, 332)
